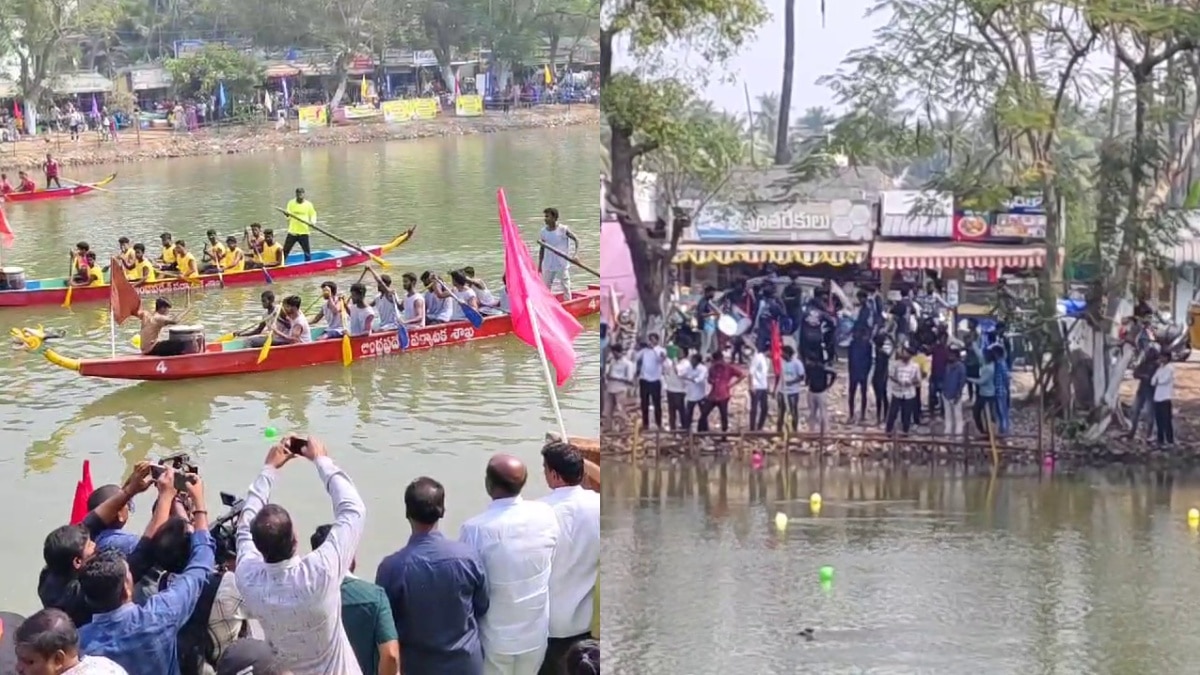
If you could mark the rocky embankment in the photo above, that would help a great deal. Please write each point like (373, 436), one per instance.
(148, 145)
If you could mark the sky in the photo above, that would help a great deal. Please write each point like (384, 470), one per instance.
(819, 51)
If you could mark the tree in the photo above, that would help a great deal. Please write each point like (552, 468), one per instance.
(449, 26)
(46, 34)
(203, 72)
(782, 154)
(1019, 69)
(642, 109)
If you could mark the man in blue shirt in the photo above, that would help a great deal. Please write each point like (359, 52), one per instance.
(437, 590)
(143, 638)
(112, 534)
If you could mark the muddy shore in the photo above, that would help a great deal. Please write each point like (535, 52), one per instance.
(150, 145)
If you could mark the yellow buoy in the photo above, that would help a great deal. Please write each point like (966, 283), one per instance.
(781, 521)
(1193, 517)
(814, 501)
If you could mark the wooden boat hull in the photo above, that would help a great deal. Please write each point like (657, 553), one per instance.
(59, 193)
(322, 261)
(219, 360)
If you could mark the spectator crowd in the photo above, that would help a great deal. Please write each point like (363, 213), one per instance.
(515, 594)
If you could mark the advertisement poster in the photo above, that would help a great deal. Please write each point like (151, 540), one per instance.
(1020, 218)
(409, 109)
(468, 106)
(311, 117)
(971, 226)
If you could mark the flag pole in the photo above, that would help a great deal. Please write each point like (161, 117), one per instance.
(112, 331)
(537, 337)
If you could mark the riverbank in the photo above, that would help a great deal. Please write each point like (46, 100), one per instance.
(1032, 437)
(150, 145)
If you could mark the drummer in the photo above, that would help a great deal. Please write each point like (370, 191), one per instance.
(153, 324)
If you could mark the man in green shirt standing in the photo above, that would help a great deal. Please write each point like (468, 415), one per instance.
(367, 619)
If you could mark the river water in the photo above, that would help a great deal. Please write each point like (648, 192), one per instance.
(386, 421)
(935, 571)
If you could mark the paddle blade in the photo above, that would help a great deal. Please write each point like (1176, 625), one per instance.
(472, 315)
(228, 337)
(402, 336)
(267, 275)
(347, 350)
(67, 300)
(266, 348)
(136, 341)
(379, 261)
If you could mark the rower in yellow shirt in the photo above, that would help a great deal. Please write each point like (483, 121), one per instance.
(167, 259)
(272, 252)
(142, 270)
(301, 212)
(234, 260)
(185, 262)
(125, 254)
(213, 255)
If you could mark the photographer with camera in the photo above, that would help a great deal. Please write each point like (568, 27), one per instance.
(218, 619)
(109, 508)
(298, 599)
(144, 638)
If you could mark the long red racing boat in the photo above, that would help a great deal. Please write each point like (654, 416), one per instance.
(54, 291)
(234, 357)
(60, 193)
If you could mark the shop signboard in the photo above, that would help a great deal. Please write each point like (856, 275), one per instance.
(916, 214)
(972, 225)
(840, 220)
(1019, 218)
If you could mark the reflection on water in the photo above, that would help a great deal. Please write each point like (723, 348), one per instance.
(936, 571)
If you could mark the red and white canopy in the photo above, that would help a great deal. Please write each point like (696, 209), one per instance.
(897, 255)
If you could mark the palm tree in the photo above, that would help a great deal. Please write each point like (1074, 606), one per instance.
(782, 149)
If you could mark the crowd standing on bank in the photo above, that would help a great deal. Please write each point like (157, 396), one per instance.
(515, 594)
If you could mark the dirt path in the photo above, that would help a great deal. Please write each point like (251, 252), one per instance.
(147, 145)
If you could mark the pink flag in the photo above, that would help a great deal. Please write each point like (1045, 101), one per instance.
(522, 281)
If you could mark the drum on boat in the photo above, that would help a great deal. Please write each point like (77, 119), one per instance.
(728, 325)
(189, 338)
(12, 278)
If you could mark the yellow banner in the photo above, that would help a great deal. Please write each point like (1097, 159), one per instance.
(360, 112)
(409, 109)
(311, 117)
(468, 106)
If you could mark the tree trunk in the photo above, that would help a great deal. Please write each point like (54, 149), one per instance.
(340, 72)
(782, 151)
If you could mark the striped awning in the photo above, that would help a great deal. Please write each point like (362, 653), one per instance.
(1186, 252)
(896, 255)
(786, 254)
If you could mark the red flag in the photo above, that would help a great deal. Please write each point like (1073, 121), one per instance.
(6, 233)
(17, 114)
(555, 325)
(776, 349)
(83, 490)
(123, 297)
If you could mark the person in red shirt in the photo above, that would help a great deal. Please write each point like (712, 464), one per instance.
(722, 377)
(5, 186)
(51, 169)
(25, 185)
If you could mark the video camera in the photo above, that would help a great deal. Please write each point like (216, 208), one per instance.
(224, 529)
(185, 469)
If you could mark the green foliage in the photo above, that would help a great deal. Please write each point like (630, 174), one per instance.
(713, 30)
(204, 71)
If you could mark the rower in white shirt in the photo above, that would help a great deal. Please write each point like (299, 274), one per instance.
(298, 600)
(577, 556)
(516, 540)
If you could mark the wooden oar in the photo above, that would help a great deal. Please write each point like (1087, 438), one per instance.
(266, 348)
(401, 329)
(347, 350)
(374, 258)
(90, 185)
(468, 311)
(70, 276)
(571, 259)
